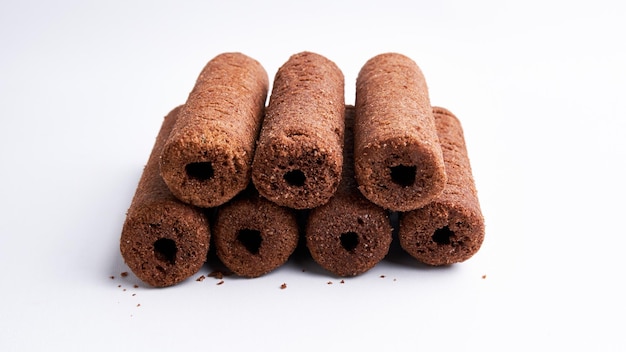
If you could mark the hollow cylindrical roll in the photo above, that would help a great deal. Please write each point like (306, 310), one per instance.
(298, 159)
(398, 160)
(348, 235)
(163, 241)
(254, 236)
(450, 229)
(207, 158)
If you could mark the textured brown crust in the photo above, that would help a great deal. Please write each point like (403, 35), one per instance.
(398, 160)
(299, 156)
(207, 158)
(163, 241)
(254, 236)
(451, 229)
(348, 235)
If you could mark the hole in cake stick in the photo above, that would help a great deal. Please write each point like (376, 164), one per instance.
(251, 239)
(165, 250)
(201, 171)
(295, 178)
(403, 175)
(442, 236)
(349, 240)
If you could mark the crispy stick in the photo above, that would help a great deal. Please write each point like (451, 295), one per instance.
(450, 229)
(398, 160)
(299, 156)
(348, 235)
(207, 158)
(163, 241)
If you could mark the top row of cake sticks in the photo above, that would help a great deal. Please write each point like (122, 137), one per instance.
(225, 136)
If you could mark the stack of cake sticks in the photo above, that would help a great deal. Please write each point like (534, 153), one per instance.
(345, 167)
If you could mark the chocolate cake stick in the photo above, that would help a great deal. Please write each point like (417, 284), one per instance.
(451, 228)
(299, 156)
(349, 234)
(254, 236)
(398, 161)
(207, 158)
(163, 241)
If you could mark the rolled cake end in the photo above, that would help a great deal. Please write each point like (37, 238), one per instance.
(442, 234)
(349, 236)
(254, 236)
(296, 171)
(205, 172)
(165, 243)
(399, 175)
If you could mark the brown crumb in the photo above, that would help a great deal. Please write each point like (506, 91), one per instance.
(484, 276)
(221, 282)
(124, 274)
(216, 274)
(112, 277)
(329, 283)
(201, 278)
(138, 305)
(134, 294)
(382, 276)
(124, 290)
(394, 279)
(136, 286)
(283, 286)
(119, 285)
(220, 274)
(342, 282)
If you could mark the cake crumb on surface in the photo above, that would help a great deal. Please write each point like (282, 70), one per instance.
(283, 286)
(201, 278)
(342, 282)
(221, 282)
(484, 276)
(216, 274)
(124, 274)
(219, 274)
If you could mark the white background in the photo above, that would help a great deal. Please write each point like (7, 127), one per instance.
(538, 86)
